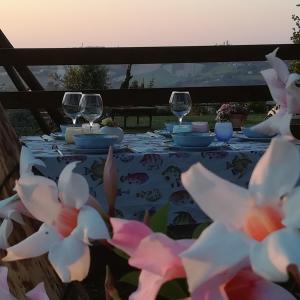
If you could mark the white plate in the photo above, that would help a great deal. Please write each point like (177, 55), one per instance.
(58, 135)
(164, 133)
(258, 139)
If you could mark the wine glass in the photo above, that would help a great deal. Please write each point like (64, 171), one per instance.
(223, 131)
(180, 104)
(70, 105)
(91, 107)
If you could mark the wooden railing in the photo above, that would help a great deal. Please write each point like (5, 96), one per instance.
(41, 99)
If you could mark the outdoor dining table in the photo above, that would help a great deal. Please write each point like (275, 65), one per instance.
(149, 169)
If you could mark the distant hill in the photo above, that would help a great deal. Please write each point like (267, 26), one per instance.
(163, 75)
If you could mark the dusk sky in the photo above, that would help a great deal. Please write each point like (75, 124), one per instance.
(73, 23)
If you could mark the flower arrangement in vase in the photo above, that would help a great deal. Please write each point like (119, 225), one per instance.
(109, 126)
(236, 113)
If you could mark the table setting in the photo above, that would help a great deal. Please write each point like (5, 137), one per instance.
(149, 164)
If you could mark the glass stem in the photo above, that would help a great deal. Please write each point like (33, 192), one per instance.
(91, 126)
(180, 120)
(74, 121)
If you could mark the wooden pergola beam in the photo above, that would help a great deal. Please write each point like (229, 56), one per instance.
(140, 97)
(144, 55)
(15, 72)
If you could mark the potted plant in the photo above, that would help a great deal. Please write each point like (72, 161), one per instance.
(236, 113)
(109, 126)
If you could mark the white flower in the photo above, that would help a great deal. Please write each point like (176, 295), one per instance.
(38, 293)
(10, 208)
(284, 91)
(68, 223)
(247, 223)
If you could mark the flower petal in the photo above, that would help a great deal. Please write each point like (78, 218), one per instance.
(149, 286)
(248, 286)
(71, 259)
(278, 65)
(34, 245)
(38, 293)
(272, 256)
(3, 278)
(9, 208)
(216, 250)
(159, 254)
(90, 225)
(8, 201)
(221, 200)
(270, 126)
(291, 210)
(276, 173)
(276, 87)
(73, 188)
(128, 234)
(4, 289)
(213, 289)
(293, 94)
(27, 161)
(6, 229)
(40, 196)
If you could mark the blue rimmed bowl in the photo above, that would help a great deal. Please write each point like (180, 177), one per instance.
(95, 141)
(193, 139)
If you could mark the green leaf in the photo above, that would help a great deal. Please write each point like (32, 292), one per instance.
(121, 253)
(159, 221)
(131, 278)
(198, 230)
(172, 290)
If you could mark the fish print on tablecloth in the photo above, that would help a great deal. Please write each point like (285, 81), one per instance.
(151, 161)
(172, 175)
(183, 218)
(181, 197)
(119, 213)
(179, 155)
(239, 165)
(137, 178)
(95, 171)
(150, 195)
(214, 154)
(124, 157)
(123, 192)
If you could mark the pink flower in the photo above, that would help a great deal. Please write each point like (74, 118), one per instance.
(244, 285)
(38, 293)
(154, 253)
(68, 223)
(247, 223)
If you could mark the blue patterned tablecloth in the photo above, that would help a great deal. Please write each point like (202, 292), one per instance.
(149, 171)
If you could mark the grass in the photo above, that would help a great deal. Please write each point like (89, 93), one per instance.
(26, 125)
(159, 121)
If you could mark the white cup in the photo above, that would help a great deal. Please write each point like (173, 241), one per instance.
(87, 128)
(71, 131)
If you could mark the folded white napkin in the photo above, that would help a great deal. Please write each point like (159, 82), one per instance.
(277, 124)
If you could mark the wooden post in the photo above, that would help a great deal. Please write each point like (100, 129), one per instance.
(26, 274)
(33, 84)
